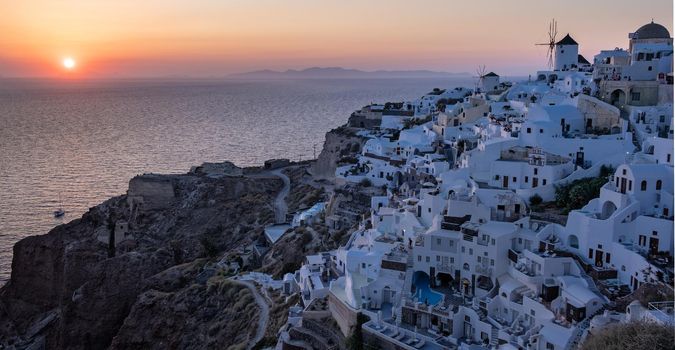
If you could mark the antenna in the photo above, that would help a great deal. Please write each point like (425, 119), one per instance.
(552, 32)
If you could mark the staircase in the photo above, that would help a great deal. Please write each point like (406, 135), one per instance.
(494, 337)
(591, 284)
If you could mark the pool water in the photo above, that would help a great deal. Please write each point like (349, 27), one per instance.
(423, 292)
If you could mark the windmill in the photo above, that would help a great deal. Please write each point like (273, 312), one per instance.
(552, 32)
(480, 74)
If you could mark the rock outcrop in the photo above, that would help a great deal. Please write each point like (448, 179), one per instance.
(340, 142)
(70, 290)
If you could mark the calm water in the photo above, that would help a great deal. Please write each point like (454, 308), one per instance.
(83, 141)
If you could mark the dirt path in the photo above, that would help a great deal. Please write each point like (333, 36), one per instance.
(280, 207)
(264, 313)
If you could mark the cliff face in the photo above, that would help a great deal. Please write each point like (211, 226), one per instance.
(340, 142)
(206, 311)
(69, 289)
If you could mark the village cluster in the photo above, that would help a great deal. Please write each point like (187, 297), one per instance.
(463, 252)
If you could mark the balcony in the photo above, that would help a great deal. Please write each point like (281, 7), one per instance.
(484, 270)
(445, 268)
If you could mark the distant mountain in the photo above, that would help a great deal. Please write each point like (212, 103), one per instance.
(338, 72)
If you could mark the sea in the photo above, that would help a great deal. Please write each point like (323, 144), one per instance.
(74, 144)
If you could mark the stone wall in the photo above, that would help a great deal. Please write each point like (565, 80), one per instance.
(150, 192)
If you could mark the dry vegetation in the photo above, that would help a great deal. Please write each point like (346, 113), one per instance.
(635, 335)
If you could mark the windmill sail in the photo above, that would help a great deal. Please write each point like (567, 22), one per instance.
(552, 33)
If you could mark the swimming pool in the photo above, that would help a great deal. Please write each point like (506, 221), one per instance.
(423, 292)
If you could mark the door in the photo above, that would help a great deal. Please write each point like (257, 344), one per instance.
(653, 245)
(623, 185)
(505, 181)
(535, 182)
(468, 330)
(598, 258)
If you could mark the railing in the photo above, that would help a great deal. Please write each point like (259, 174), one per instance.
(444, 268)
(485, 270)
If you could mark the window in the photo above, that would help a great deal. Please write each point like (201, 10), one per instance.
(492, 262)
(536, 171)
(462, 249)
(658, 184)
(496, 177)
(470, 251)
(662, 119)
(452, 260)
(438, 258)
(427, 259)
(544, 182)
(541, 131)
(668, 158)
(649, 68)
(492, 241)
(623, 267)
(643, 185)
(590, 253)
(642, 240)
(466, 266)
(527, 179)
(630, 185)
(608, 257)
(419, 258)
(549, 346)
(532, 312)
(635, 96)
(478, 258)
(363, 265)
(515, 179)
(624, 172)
(654, 233)
(529, 130)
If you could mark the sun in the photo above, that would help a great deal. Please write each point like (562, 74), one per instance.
(69, 63)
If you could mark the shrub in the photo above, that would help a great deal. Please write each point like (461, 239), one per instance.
(634, 335)
(209, 246)
(536, 200)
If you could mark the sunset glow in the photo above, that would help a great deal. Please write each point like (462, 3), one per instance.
(215, 38)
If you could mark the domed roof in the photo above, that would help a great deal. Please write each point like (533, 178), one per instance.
(652, 31)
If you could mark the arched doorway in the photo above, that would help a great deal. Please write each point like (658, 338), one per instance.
(552, 78)
(608, 208)
(573, 241)
(444, 280)
(617, 98)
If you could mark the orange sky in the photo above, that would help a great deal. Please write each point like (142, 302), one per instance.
(152, 38)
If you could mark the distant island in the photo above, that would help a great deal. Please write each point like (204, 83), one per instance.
(339, 72)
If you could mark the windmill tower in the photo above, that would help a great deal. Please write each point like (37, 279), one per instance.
(487, 82)
(552, 32)
(480, 75)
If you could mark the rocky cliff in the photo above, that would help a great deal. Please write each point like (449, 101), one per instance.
(69, 289)
(340, 145)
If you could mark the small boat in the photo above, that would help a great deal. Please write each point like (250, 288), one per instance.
(59, 212)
